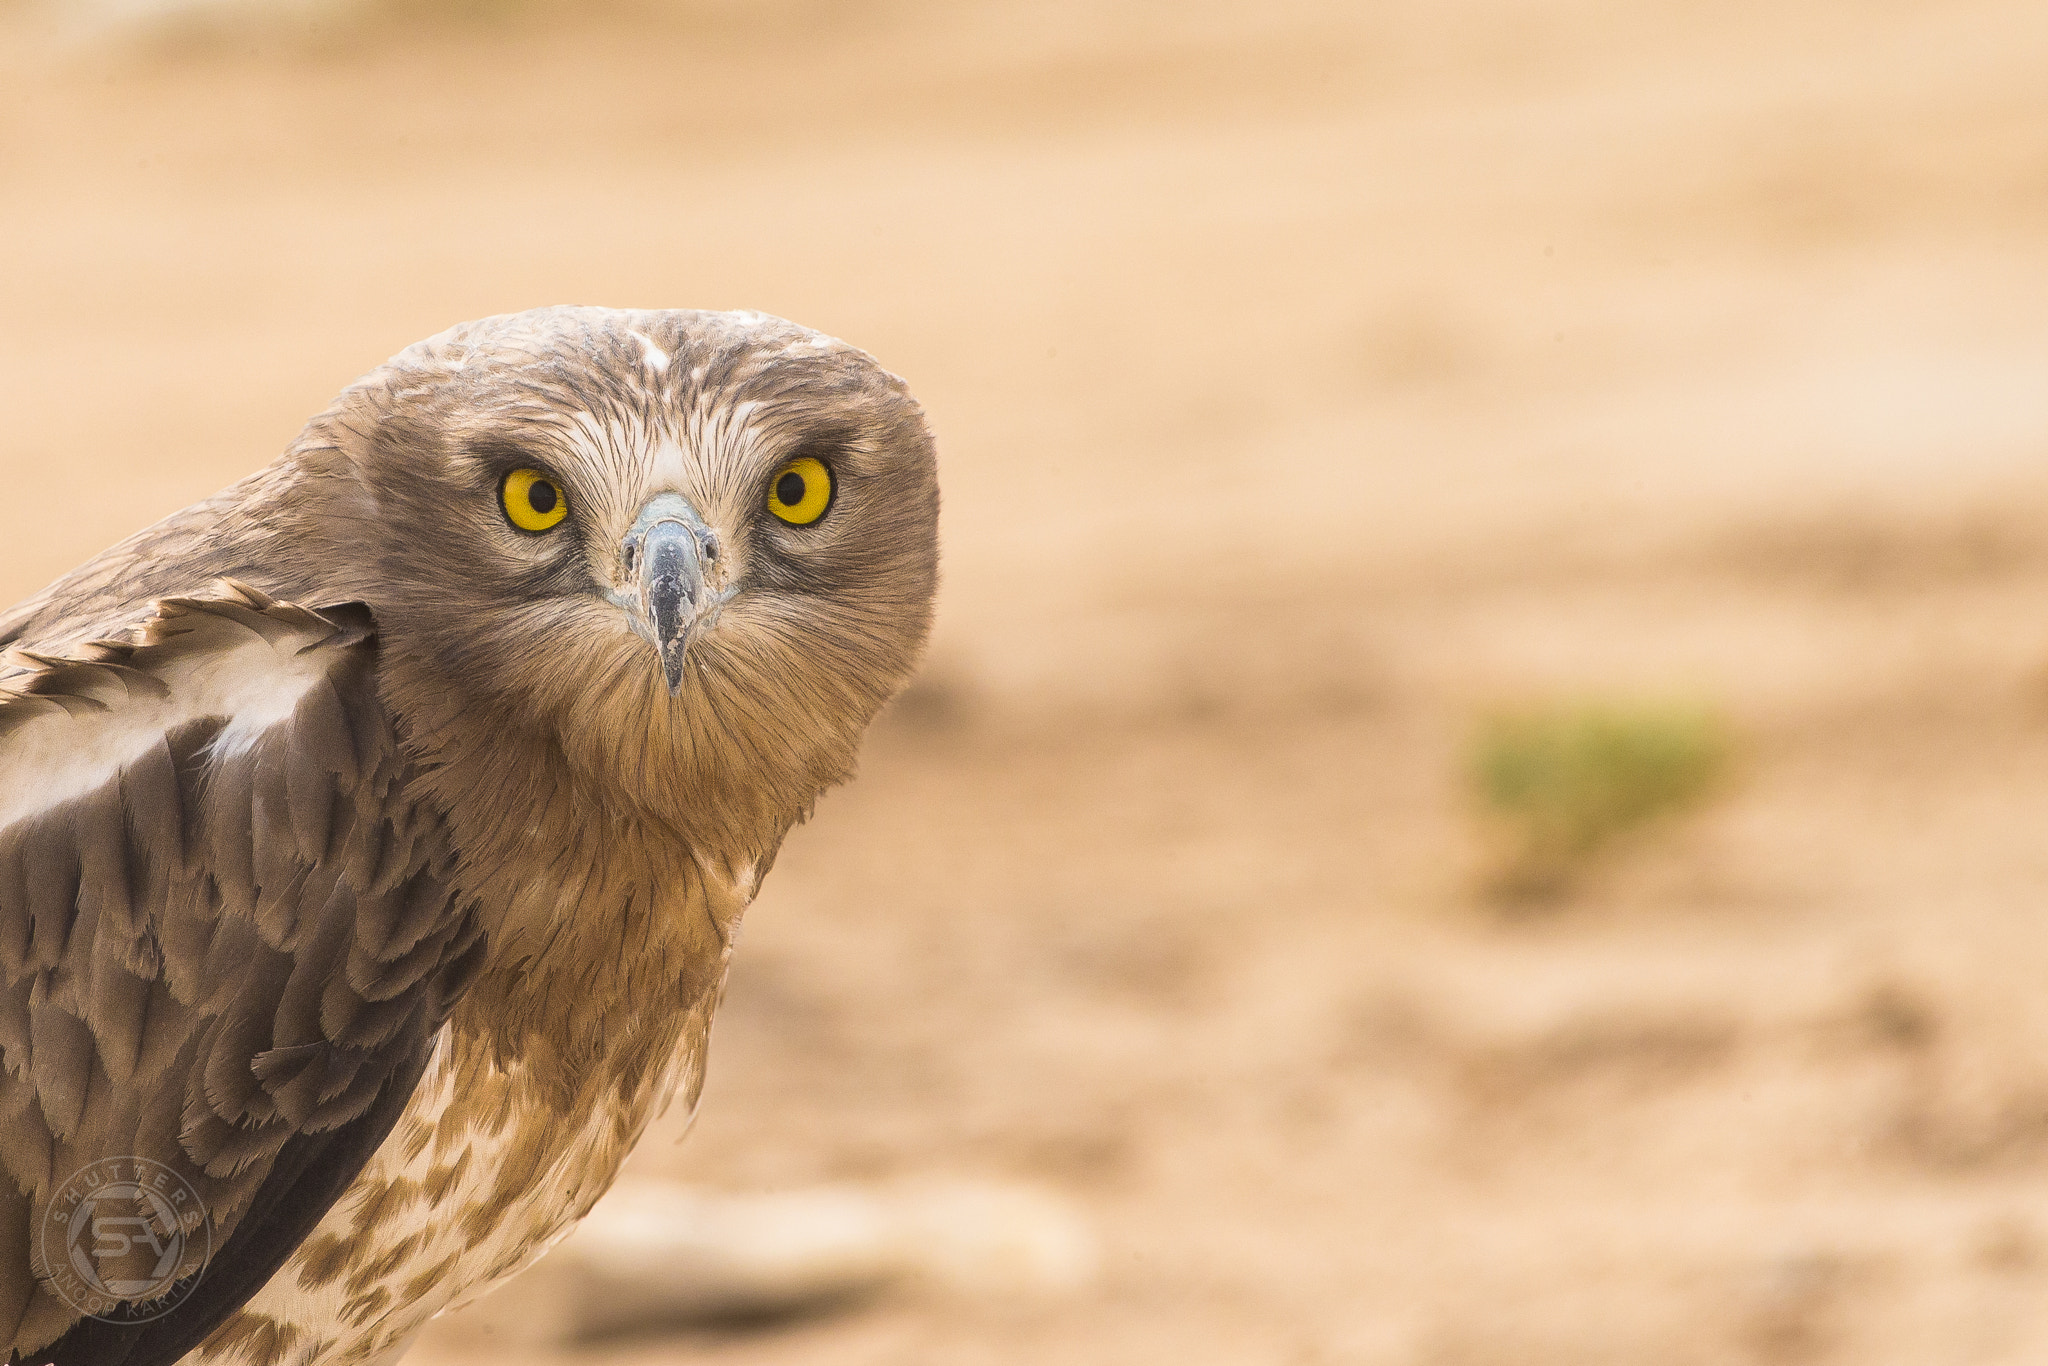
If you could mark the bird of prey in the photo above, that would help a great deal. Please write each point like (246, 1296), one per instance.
(374, 835)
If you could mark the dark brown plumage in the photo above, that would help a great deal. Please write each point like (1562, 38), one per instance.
(378, 881)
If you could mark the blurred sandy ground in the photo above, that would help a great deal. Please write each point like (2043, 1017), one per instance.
(1309, 377)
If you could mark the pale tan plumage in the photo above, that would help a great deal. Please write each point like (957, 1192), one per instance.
(394, 789)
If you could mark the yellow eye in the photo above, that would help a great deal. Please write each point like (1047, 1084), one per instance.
(800, 491)
(533, 501)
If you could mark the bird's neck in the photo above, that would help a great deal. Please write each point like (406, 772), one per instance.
(601, 947)
(607, 926)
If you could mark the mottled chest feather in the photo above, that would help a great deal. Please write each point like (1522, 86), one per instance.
(488, 1168)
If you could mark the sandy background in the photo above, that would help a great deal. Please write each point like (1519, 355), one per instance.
(1309, 378)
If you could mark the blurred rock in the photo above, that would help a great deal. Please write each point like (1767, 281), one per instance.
(655, 1255)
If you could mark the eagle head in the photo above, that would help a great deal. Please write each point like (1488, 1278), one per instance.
(691, 552)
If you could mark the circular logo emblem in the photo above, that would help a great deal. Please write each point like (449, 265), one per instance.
(125, 1240)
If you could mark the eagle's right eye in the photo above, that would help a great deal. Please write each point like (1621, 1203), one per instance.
(533, 502)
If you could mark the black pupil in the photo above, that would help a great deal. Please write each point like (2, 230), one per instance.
(789, 489)
(541, 497)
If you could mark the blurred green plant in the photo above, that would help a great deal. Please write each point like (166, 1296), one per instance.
(1564, 783)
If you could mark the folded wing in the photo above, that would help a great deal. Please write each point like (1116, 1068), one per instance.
(227, 939)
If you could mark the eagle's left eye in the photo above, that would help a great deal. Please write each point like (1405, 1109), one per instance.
(800, 491)
(533, 501)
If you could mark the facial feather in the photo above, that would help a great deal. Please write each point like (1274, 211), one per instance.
(824, 622)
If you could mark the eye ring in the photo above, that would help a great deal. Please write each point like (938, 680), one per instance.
(532, 501)
(801, 491)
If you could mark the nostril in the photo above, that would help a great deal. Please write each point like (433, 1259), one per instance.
(710, 545)
(632, 556)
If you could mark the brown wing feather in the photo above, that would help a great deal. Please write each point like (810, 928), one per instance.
(227, 928)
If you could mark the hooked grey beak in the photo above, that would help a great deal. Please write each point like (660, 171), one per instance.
(669, 549)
